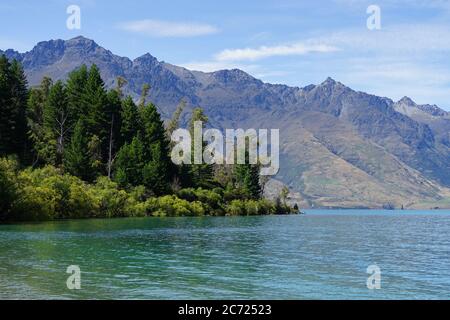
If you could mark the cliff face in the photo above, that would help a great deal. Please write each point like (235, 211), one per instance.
(339, 147)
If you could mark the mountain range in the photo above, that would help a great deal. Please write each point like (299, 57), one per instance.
(339, 147)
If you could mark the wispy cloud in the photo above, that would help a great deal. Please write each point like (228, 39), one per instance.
(159, 28)
(272, 51)
(394, 39)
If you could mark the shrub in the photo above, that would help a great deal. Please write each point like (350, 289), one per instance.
(250, 207)
(48, 194)
(8, 186)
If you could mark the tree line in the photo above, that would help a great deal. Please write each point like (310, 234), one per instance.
(83, 130)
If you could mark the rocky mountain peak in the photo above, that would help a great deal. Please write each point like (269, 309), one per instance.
(434, 110)
(235, 76)
(407, 101)
(429, 109)
(81, 43)
(146, 60)
(330, 84)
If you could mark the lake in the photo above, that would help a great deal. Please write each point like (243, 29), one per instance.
(320, 255)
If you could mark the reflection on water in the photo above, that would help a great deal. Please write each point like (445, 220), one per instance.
(321, 255)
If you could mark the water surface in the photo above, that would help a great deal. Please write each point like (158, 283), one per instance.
(320, 255)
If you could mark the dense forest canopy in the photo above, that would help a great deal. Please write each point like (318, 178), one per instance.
(75, 149)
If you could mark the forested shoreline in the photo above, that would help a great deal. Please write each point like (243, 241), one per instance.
(74, 149)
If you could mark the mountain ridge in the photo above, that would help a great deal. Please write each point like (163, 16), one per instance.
(340, 147)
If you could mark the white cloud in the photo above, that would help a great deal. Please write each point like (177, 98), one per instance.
(159, 28)
(412, 38)
(267, 51)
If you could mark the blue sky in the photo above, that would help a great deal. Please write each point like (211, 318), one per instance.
(279, 41)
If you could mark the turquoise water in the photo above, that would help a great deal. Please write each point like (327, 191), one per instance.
(320, 255)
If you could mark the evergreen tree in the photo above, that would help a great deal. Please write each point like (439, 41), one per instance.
(156, 171)
(129, 164)
(13, 101)
(247, 178)
(77, 160)
(201, 175)
(19, 94)
(94, 100)
(153, 130)
(130, 121)
(57, 119)
(7, 112)
(76, 85)
(37, 100)
(157, 175)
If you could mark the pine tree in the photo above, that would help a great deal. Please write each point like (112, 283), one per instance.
(19, 94)
(94, 100)
(158, 171)
(76, 85)
(57, 119)
(130, 121)
(201, 175)
(7, 112)
(129, 164)
(247, 178)
(37, 100)
(77, 160)
(13, 101)
(153, 130)
(95, 103)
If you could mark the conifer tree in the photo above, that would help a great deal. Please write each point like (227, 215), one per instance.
(94, 100)
(130, 121)
(77, 160)
(19, 94)
(156, 171)
(37, 100)
(156, 150)
(57, 119)
(200, 175)
(7, 113)
(247, 178)
(129, 164)
(13, 102)
(76, 85)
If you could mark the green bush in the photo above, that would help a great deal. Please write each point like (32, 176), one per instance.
(48, 193)
(8, 186)
(250, 207)
(172, 206)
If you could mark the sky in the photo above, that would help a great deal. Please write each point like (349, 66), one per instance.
(293, 42)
